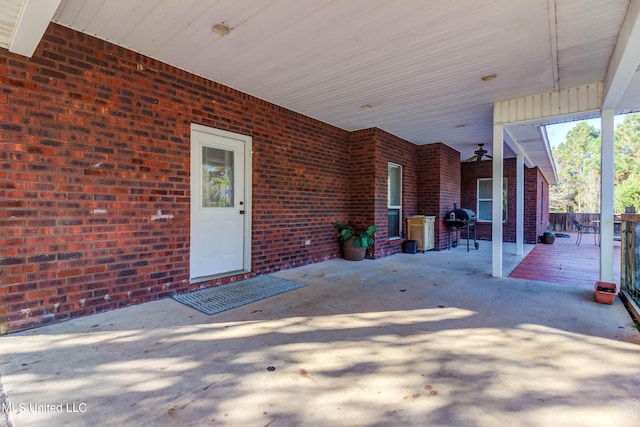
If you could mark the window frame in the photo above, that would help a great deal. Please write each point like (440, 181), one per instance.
(390, 207)
(505, 196)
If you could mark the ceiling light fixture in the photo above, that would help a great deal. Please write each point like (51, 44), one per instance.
(367, 107)
(221, 29)
(460, 126)
(488, 77)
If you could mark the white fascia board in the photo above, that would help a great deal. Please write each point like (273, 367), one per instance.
(625, 59)
(547, 146)
(32, 23)
(515, 146)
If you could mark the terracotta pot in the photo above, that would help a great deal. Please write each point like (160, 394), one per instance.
(605, 292)
(351, 252)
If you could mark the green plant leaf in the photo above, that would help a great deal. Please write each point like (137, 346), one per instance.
(362, 239)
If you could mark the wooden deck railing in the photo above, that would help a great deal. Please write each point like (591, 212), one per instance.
(563, 221)
(630, 270)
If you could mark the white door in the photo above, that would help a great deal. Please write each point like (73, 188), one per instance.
(220, 217)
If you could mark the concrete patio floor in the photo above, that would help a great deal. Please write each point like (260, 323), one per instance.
(425, 339)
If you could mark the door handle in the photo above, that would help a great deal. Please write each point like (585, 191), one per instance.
(242, 212)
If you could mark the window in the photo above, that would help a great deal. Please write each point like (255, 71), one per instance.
(394, 201)
(485, 199)
(217, 178)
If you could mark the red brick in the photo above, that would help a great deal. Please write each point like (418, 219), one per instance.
(41, 294)
(439, 178)
(68, 273)
(95, 269)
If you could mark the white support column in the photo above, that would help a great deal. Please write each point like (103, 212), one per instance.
(606, 196)
(496, 211)
(520, 204)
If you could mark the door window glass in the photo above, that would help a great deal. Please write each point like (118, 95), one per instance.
(217, 178)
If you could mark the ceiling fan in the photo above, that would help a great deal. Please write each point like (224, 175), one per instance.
(479, 154)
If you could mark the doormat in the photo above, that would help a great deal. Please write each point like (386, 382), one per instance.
(221, 298)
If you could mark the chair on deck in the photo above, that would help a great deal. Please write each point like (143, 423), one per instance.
(586, 229)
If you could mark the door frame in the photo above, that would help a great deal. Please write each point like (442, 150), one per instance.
(248, 153)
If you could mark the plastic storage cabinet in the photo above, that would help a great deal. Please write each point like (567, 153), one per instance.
(421, 229)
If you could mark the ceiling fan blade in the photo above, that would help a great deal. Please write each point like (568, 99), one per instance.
(478, 160)
(471, 159)
(491, 157)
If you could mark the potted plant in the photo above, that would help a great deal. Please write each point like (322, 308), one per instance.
(548, 237)
(355, 242)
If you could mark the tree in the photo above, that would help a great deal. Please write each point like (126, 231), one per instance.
(577, 161)
(627, 163)
(578, 165)
(627, 193)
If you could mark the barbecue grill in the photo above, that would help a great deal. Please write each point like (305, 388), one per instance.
(461, 220)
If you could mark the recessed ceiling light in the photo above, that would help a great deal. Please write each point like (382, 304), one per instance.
(221, 29)
(460, 126)
(367, 107)
(488, 77)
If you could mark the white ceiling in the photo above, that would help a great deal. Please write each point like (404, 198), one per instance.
(418, 63)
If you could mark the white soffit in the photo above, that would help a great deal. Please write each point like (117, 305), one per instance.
(417, 62)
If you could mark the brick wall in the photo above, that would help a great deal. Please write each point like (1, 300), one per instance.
(438, 186)
(450, 193)
(371, 152)
(471, 172)
(536, 186)
(300, 186)
(361, 195)
(94, 139)
(536, 203)
(390, 148)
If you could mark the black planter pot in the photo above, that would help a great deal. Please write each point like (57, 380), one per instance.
(548, 238)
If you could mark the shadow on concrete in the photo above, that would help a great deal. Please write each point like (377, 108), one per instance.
(426, 339)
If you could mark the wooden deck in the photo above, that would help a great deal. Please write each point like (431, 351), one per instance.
(566, 263)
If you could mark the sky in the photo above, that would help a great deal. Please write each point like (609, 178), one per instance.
(557, 133)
